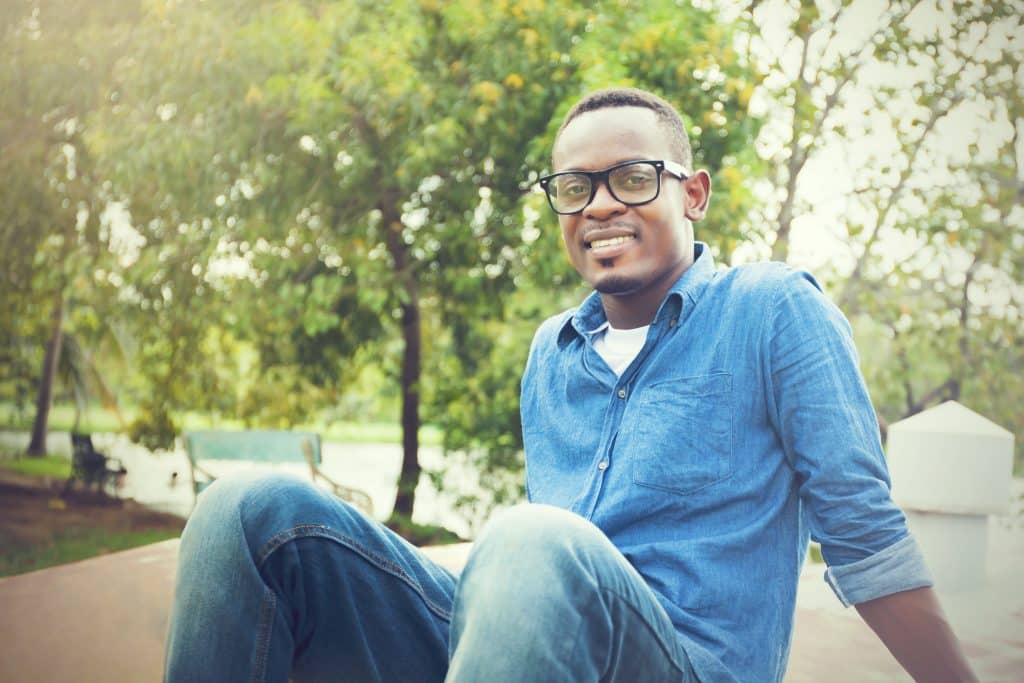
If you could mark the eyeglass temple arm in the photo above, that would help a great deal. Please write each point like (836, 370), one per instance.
(676, 169)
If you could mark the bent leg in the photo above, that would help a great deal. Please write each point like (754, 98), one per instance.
(277, 577)
(545, 597)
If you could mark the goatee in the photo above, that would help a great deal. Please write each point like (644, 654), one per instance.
(617, 284)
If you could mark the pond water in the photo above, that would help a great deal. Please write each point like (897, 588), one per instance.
(371, 467)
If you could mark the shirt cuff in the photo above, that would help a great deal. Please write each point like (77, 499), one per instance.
(900, 567)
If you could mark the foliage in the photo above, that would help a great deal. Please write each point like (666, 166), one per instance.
(263, 211)
(56, 57)
(422, 534)
(365, 173)
(912, 112)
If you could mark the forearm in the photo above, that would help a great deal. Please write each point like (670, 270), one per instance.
(914, 628)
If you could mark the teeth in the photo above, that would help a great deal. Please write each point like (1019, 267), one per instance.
(597, 244)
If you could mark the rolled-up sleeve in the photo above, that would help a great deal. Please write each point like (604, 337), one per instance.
(823, 415)
(900, 567)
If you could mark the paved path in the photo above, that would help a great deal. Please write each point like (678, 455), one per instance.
(104, 619)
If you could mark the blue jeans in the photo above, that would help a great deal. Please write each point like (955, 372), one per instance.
(279, 579)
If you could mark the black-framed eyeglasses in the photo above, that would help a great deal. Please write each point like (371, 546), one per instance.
(631, 182)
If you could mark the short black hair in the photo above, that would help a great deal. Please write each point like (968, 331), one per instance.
(679, 141)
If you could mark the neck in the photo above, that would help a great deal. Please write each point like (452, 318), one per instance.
(636, 309)
(624, 314)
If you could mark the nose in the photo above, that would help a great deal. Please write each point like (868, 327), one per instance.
(603, 206)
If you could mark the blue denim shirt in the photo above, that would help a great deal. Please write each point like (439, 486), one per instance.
(742, 428)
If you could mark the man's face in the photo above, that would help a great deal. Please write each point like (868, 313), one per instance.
(624, 251)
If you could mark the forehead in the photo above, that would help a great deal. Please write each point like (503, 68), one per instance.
(601, 138)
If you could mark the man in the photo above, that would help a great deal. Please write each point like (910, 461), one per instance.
(686, 430)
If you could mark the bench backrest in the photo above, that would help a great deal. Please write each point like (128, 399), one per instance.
(256, 445)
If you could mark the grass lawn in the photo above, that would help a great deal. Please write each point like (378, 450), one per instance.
(73, 545)
(97, 420)
(41, 527)
(52, 466)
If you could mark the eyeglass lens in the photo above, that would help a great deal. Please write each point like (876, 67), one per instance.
(631, 184)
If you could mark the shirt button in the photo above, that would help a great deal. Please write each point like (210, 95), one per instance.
(672, 322)
(622, 392)
(603, 465)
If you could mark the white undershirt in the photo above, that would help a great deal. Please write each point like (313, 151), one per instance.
(618, 348)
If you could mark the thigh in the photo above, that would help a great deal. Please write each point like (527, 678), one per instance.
(546, 597)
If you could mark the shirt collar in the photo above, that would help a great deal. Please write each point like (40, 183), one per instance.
(590, 319)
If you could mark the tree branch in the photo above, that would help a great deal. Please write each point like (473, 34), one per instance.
(849, 289)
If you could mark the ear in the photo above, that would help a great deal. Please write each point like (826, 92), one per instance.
(697, 189)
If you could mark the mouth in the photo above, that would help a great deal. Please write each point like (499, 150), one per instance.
(609, 242)
(609, 246)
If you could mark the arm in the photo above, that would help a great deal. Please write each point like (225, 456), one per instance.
(913, 627)
(828, 426)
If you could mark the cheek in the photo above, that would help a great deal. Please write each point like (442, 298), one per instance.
(567, 231)
(570, 247)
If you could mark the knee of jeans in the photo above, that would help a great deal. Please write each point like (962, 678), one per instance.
(254, 504)
(529, 535)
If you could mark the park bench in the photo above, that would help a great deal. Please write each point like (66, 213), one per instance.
(264, 446)
(91, 467)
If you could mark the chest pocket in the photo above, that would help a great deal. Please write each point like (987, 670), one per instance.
(681, 433)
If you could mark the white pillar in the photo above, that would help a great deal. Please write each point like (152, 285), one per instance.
(950, 469)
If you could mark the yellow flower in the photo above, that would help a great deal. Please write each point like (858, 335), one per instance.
(529, 36)
(254, 96)
(743, 99)
(488, 91)
(731, 175)
(514, 81)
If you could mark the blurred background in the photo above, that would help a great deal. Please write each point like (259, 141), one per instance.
(324, 215)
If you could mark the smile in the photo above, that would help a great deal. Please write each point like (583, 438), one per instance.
(609, 242)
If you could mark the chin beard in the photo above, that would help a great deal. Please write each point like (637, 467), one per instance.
(617, 284)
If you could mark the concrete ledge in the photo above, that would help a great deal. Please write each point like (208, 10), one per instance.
(104, 619)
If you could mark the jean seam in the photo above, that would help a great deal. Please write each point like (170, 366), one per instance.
(268, 608)
(382, 563)
(654, 632)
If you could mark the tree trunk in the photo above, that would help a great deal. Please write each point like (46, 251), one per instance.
(410, 475)
(37, 446)
(411, 337)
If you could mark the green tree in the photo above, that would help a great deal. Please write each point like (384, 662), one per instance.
(369, 171)
(913, 112)
(335, 153)
(56, 57)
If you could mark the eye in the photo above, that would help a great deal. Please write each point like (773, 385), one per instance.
(572, 187)
(635, 180)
